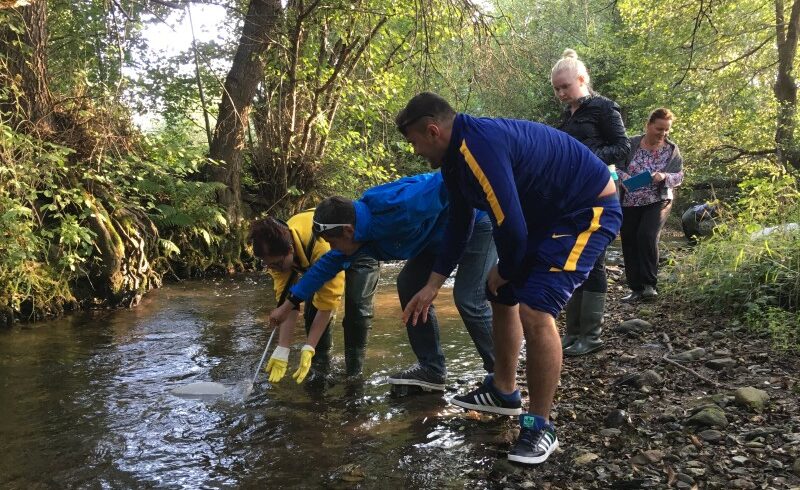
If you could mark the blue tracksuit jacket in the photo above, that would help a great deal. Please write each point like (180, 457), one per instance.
(525, 174)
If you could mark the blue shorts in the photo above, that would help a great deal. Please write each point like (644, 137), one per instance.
(560, 259)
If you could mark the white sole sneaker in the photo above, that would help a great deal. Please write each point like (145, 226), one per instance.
(417, 382)
(486, 408)
(534, 459)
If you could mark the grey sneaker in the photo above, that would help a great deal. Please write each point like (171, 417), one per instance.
(419, 376)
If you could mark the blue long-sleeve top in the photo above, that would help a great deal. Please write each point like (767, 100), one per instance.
(525, 174)
(394, 221)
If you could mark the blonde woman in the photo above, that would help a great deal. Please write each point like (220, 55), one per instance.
(596, 122)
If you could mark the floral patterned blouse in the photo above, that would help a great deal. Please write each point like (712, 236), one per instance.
(654, 161)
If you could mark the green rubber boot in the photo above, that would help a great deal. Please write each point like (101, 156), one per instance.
(573, 320)
(591, 325)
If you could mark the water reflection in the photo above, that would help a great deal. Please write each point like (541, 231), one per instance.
(86, 401)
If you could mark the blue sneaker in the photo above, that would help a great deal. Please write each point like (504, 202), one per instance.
(486, 398)
(536, 442)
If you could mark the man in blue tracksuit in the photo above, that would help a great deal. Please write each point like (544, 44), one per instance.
(405, 220)
(554, 209)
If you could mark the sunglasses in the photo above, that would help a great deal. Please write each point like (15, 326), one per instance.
(408, 122)
(323, 227)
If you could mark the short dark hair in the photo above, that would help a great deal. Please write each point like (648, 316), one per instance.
(424, 105)
(270, 238)
(335, 209)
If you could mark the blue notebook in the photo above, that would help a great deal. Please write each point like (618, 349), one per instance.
(638, 181)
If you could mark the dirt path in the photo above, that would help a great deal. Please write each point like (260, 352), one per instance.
(629, 418)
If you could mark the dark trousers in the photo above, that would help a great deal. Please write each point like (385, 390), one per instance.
(469, 295)
(361, 282)
(360, 285)
(597, 282)
(641, 230)
(323, 349)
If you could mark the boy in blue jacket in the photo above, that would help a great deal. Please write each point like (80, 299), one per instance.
(405, 220)
(554, 209)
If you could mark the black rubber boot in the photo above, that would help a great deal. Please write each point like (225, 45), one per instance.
(353, 360)
(592, 307)
(573, 320)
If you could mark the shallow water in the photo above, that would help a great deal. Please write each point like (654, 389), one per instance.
(86, 401)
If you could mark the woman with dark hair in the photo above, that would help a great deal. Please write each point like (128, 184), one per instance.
(646, 208)
(596, 122)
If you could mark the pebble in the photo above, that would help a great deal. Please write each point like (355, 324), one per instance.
(742, 483)
(683, 477)
(696, 471)
(585, 458)
(751, 398)
(740, 459)
(712, 416)
(648, 457)
(634, 325)
(690, 355)
(711, 435)
(610, 432)
(721, 364)
(617, 418)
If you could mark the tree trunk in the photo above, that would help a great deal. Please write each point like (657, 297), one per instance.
(241, 83)
(26, 55)
(785, 88)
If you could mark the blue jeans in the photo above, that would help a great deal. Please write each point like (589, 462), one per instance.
(469, 294)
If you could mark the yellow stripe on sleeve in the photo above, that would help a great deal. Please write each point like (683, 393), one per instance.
(583, 239)
(499, 216)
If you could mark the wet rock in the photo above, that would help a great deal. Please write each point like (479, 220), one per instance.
(712, 416)
(585, 458)
(683, 477)
(711, 435)
(350, 473)
(689, 355)
(718, 334)
(617, 418)
(634, 327)
(742, 483)
(752, 398)
(721, 364)
(722, 353)
(648, 457)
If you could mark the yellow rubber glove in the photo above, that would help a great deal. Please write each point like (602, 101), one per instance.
(305, 363)
(278, 362)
